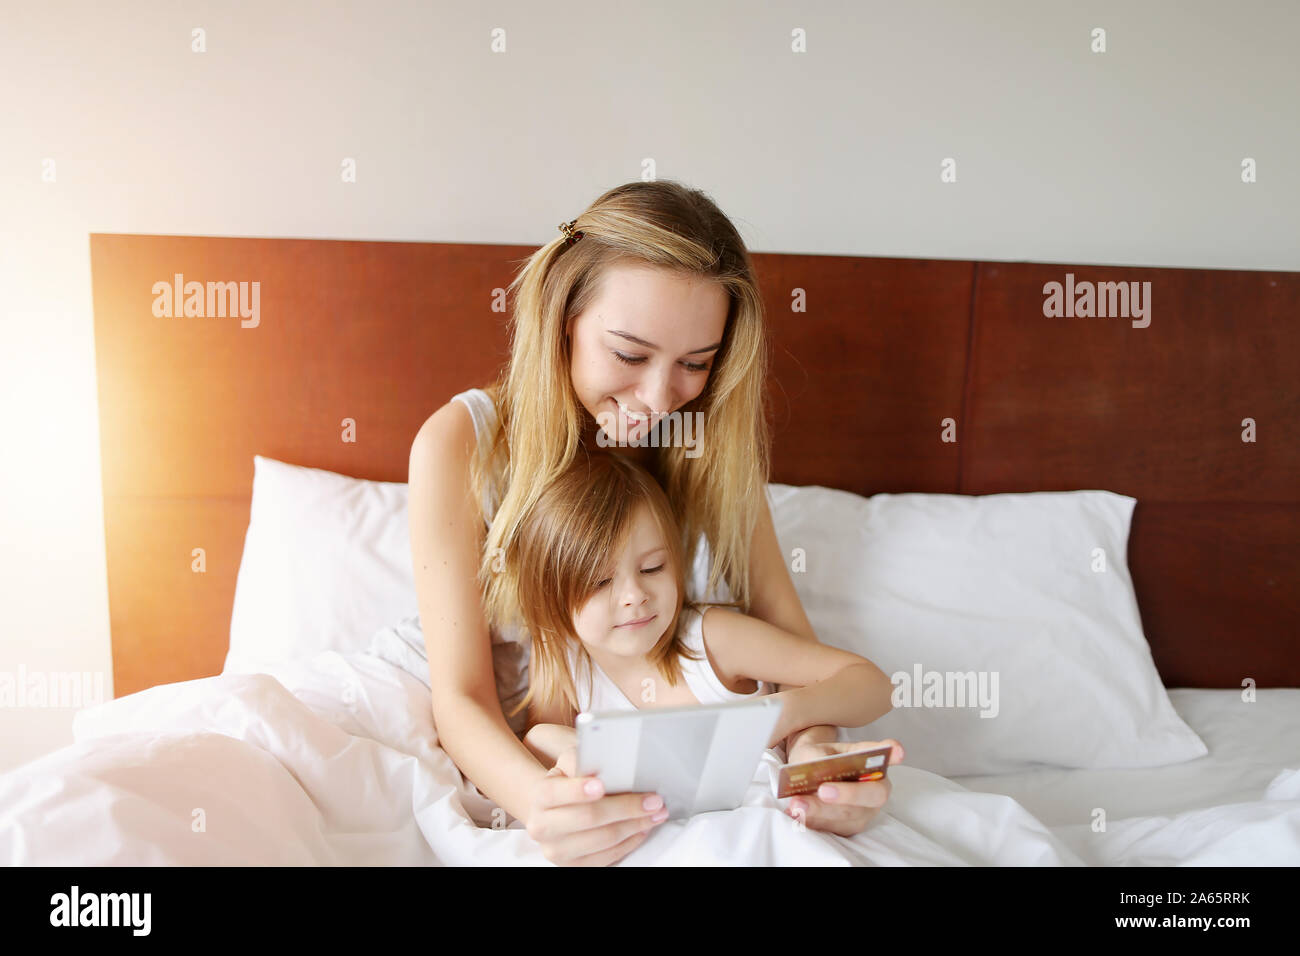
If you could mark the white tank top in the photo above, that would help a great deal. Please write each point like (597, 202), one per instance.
(597, 692)
(510, 644)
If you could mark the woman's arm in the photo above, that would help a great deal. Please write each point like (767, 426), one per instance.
(773, 599)
(446, 541)
(572, 819)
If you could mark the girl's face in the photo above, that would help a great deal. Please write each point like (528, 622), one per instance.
(645, 346)
(639, 585)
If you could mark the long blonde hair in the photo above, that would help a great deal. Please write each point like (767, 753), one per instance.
(718, 494)
(578, 525)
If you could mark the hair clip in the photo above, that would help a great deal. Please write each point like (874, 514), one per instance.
(570, 237)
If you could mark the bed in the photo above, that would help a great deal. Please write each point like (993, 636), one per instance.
(333, 761)
(328, 754)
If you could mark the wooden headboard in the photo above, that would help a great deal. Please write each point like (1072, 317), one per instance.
(384, 333)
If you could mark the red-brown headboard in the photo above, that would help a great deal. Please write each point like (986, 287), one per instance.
(384, 333)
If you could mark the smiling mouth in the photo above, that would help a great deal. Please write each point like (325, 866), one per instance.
(639, 623)
(639, 418)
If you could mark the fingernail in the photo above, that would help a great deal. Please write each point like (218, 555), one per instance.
(593, 788)
(827, 792)
(652, 802)
(660, 817)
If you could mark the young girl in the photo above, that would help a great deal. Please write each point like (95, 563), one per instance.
(601, 584)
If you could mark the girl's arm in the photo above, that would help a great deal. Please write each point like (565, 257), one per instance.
(550, 729)
(547, 741)
(830, 686)
(773, 599)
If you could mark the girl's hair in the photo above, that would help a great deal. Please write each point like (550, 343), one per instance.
(578, 526)
(718, 494)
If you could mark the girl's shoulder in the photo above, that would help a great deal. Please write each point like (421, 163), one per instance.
(702, 607)
(724, 654)
(692, 611)
(691, 625)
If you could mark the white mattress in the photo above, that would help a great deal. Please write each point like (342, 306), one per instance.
(1250, 743)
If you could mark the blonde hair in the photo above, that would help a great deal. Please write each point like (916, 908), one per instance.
(720, 493)
(579, 524)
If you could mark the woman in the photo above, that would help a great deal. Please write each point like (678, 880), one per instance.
(645, 306)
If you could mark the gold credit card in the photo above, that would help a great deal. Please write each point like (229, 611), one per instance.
(807, 776)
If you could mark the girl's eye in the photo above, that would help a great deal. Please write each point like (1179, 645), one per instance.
(640, 360)
(645, 571)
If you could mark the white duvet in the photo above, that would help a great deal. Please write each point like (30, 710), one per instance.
(334, 761)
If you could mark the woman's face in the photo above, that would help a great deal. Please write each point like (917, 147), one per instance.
(679, 324)
(639, 583)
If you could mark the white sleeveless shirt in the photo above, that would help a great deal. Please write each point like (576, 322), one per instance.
(598, 693)
(510, 644)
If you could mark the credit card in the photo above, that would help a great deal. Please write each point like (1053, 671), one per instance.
(807, 775)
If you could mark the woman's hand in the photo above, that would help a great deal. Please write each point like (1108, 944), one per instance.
(842, 808)
(577, 825)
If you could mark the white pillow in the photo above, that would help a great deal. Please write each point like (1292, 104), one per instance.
(327, 561)
(1005, 586)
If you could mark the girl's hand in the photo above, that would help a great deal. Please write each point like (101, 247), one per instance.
(567, 762)
(575, 827)
(842, 808)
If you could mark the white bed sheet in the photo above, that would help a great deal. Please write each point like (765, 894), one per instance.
(1249, 743)
(334, 761)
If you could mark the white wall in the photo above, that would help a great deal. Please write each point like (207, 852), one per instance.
(1131, 156)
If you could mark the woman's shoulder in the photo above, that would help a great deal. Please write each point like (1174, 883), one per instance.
(449, 431)
(458, 424)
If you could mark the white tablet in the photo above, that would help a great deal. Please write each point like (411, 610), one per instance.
(697, 758)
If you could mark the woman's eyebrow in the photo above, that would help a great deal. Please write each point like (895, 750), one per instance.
(651, 345)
